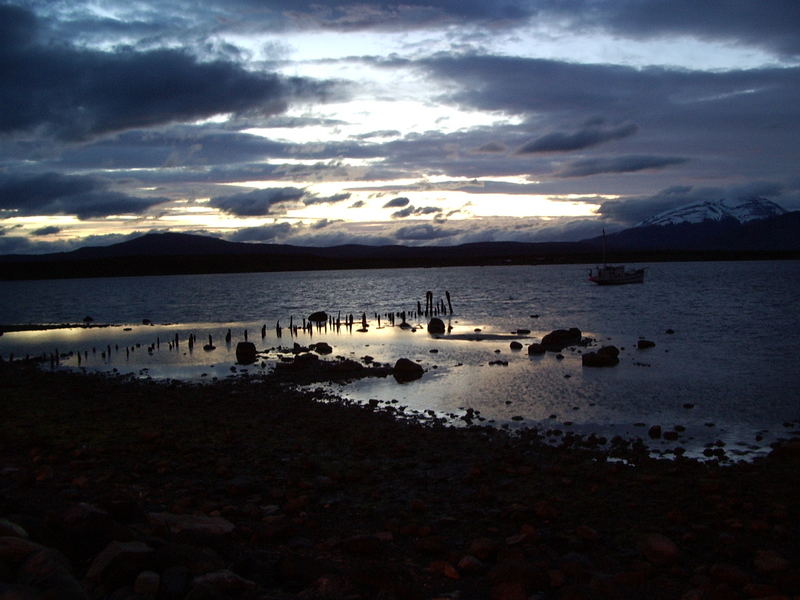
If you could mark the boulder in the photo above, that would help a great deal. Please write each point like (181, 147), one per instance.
(322, 348)
(436, 326)
(557, 340)
(119, 563)
(407, 370)
(515, 345)
(607, 356)
(536, 349)
(318, 317)
(643, 344)
(245, 353)
(659, 549)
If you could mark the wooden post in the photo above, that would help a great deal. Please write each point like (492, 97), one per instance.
(449, 304)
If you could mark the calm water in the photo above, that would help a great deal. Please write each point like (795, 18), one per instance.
(732, 356)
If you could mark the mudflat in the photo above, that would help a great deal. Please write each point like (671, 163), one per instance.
(112, 487)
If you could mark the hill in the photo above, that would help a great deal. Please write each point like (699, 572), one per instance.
(175, 253)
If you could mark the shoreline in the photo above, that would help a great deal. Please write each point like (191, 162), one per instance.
(256, 489)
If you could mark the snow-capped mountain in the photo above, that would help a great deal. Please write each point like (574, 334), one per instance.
(742, 211)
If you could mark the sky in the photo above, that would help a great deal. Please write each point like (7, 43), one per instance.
(424, 122)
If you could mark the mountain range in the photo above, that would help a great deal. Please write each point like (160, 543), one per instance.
(754, 228)
(750, 209)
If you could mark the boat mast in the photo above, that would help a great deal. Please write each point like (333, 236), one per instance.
(605, 264)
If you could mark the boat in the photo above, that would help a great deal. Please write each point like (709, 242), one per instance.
(614, 274)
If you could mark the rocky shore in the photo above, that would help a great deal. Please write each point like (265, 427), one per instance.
(114, 488)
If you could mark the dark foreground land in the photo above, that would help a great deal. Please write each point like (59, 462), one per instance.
(113, 488)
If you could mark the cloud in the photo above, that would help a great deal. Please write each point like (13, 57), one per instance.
(56, 194)
(49, 230)
(585, 138)
(620, 164)
(416, 211)
(403, 213)
(263, 233)
(335, 199)
(770, 25)
(256, 203)
(424, 232)
(77, 93)
(492, 148)
(357, 204)
(397, 202)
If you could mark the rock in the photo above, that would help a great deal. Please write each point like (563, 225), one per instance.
(607, 356)
(407, 370)
(471, 564)
(654, 432)
(11, 529)
(364, 545)
(515, 345)
(659, 549)
(245, 353)
(194, 560)
(119, 563)
(147, 582)
(49, 571)
(86, 530)
(303, 361)
(199, 526)
(318, 317)
(322, 348)
(174, 583)
(643, 344)
(483, 548)
(224, 581)
(536, 349)
(769, 561)
(436, 326)
(557, 340)
(14, 550)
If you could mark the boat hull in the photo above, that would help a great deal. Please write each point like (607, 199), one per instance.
(609, 275)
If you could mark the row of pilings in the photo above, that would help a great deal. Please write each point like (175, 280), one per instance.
(319, 321)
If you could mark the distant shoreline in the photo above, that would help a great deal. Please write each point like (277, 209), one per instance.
(33, 268)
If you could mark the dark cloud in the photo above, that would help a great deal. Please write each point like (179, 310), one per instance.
(54, 194)
(585, 138)
(423, 232)
(403, 213)
(619, 164)
(77, 93)
(492, 148)
(256, 203)
(417, 211)
(263, 233)
(335, 199)
(397, 202)
(49, 230)
(357, 204)
(769, 25)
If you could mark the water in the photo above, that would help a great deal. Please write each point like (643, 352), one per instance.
(727, 372)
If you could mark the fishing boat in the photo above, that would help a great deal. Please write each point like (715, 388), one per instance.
(614, 274)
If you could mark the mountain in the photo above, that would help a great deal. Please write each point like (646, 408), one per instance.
(178, 253)
(775, 234)
(742, 211)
